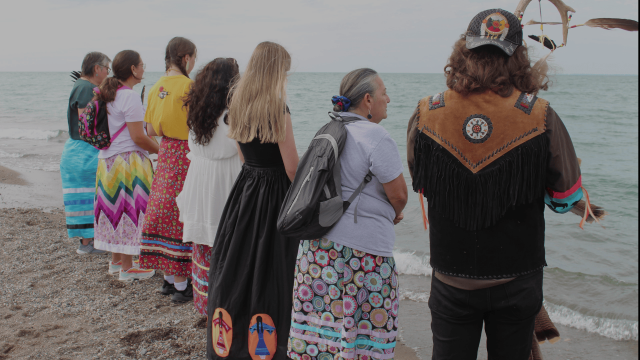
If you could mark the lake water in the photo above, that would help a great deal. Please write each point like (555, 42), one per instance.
(591, 282)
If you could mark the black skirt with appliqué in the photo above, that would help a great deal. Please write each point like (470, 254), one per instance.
(252, 270)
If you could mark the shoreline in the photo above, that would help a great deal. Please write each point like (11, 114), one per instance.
(31, 210)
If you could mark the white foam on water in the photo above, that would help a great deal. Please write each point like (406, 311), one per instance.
(408, 263)
(29, 134)
(617, 329)
(4, 154)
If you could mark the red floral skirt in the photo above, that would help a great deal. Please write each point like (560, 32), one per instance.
(161, 246)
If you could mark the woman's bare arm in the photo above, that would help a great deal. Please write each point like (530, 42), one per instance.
(136, 130)
(288, 150)
(397, 193)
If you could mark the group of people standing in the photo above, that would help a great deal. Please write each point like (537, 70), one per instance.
(206, 217)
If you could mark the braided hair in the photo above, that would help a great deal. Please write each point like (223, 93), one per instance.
(177, 49)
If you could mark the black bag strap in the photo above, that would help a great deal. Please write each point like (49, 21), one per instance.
(355, 194)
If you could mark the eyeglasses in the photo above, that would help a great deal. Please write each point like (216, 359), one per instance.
(144, 66)
(106, 67)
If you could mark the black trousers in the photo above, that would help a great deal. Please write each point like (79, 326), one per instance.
(508, 312)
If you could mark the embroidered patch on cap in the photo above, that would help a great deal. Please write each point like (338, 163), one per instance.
(525, 102)
(477, 128)
(494, 26)
(436, 101)
(163, 93)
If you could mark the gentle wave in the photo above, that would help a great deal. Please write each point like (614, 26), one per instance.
(616, 329)
(4, 154)
(408, 263)
(29, 134)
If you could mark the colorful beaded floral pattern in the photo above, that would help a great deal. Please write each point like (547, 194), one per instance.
(436, 101)
(345, 304)
(525, 102)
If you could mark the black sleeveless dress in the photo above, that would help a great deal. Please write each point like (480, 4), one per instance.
(252, 266)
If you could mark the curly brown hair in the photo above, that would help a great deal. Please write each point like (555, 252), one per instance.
(208, 97)
(489, 68)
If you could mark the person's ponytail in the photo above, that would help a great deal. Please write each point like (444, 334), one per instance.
(108, 89)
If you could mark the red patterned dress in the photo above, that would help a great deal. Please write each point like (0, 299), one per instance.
(161, 247)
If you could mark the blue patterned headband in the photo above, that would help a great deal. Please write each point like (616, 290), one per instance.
(341, 101)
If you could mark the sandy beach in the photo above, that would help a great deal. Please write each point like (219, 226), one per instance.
(58, 304)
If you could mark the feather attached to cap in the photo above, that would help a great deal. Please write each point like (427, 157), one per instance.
(611, 23)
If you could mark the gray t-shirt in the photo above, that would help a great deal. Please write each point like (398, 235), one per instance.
(368, 148)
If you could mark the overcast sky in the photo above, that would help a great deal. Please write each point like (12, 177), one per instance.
(407, 36)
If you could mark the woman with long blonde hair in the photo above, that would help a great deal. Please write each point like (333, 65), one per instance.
(250, 278)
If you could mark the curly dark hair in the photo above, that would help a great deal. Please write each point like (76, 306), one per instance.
(208, 97)
(489, 68)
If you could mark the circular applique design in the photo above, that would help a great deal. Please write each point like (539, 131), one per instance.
(300, 278)
(322, 257)
(300, 251)
(324, 356)
(315, 270)
(365, 325)
(349, 322)
(305, 246)
(354, 263)
(327, 307)
(341, 284)
(307, 307)
(494, 25)
(358, 278)
(368, 263)
(319, 287)
(304, 264)
(362, 296)
(322, 347)
(379, 260)
(327, 299)
(307, 279)
(387, 303)
(334, 292)
(373, 282)
(351, 289)
(346, 252)
(298, 345)
(362, 343)
(394, 307)
(333, 254)
(393, 294)
(312, 350)
(375, 299)
(394, 280)
(304, 292)
(386, 290)
(314, 245)
(318, 303)
(339, 264)
(297, 305)
(379, 317)
(326, 316)
(326, 244)
(310, 256)
(390, 324)
(330, 275)
(385, 270)
(333, 350)
(366, 307)
(349, 305)
(477, 128)
(365, 315)
(337, 309)
(359, 253)
(337, 246)
(347, 275)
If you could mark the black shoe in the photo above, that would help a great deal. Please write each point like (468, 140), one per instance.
(183, 296)
(167, 289)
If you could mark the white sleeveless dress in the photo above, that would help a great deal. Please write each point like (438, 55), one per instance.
(211, 175)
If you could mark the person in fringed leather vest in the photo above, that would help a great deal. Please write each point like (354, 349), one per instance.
(488, 154)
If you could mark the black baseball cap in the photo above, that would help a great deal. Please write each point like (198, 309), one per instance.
(495, 27)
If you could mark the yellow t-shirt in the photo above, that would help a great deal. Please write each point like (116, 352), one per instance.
(164, 106)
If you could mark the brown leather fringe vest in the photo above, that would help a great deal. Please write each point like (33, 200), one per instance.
(481, 162)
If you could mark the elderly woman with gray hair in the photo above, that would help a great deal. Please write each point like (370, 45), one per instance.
(346, 287)
(79, 161)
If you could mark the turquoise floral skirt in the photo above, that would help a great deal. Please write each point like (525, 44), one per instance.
(345, 304)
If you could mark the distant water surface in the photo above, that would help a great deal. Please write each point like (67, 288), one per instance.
(592, 278)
